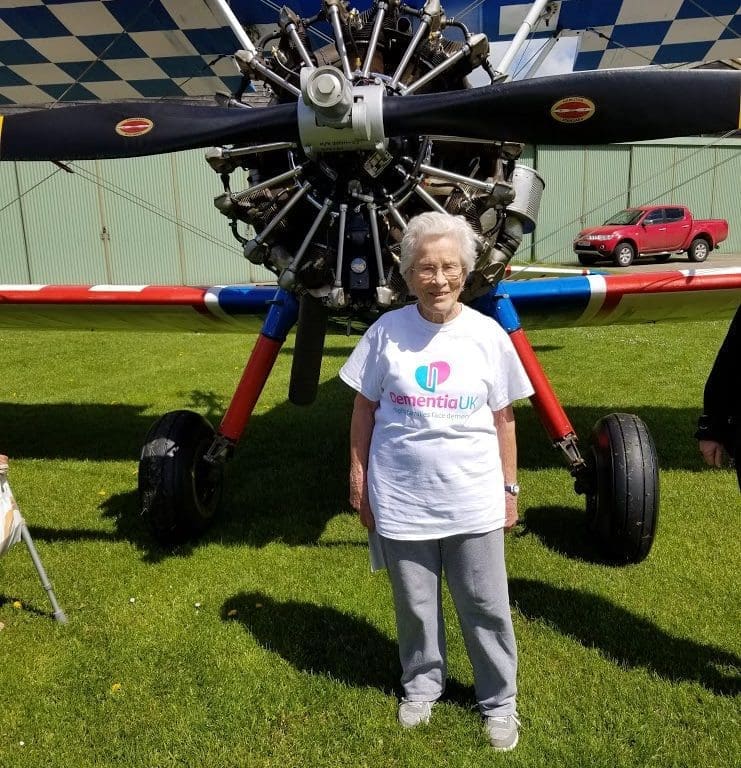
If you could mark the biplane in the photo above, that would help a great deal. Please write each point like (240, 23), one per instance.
(369, 118)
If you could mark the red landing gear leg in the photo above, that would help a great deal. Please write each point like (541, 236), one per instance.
(552, 415)
(619, 475)
(181, 465)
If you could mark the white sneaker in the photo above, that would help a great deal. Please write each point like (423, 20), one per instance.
(503, 732)
(412, 713)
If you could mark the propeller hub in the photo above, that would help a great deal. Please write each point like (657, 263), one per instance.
(328, 93)
(335, 116)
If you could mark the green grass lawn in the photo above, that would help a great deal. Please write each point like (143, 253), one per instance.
(269, 643)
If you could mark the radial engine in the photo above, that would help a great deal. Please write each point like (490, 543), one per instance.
(326, 213)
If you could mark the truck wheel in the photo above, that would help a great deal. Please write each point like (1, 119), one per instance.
(699, 249)
(623, 255)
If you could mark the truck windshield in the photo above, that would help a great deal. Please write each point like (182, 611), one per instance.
(629, 216)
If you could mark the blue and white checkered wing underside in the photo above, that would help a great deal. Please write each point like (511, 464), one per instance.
(79, 50)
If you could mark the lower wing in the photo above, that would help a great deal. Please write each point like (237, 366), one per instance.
(544, 302)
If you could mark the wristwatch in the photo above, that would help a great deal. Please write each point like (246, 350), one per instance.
(514, 489)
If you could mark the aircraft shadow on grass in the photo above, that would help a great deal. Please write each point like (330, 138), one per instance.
(347, 648)
(625, 638)
(288, 479)
(110, 432)
(289, 474)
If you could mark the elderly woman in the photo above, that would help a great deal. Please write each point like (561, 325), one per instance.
(433, 469)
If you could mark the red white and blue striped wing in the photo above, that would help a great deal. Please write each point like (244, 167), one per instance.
(550, 302)
(133, 307)
(639, 297)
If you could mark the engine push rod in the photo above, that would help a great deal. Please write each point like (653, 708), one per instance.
(334, 17)
(373, 42)
(424, 24)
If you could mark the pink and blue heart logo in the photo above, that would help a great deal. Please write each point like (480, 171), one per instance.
(429, 376)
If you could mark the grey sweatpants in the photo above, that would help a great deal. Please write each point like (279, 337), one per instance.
(475, 571)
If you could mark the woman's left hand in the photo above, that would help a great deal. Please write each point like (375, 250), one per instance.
(510, 515)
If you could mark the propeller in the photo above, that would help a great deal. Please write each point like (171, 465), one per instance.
(596, 107)
(131, 128)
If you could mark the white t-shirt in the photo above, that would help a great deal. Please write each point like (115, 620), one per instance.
(434, 468)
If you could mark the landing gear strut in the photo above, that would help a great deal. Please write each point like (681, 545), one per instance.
(620, 474)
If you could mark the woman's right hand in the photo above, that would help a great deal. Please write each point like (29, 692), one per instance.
(359, 502)
(366, 517)
(361, 430)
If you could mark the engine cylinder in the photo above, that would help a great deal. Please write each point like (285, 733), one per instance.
(528, 185)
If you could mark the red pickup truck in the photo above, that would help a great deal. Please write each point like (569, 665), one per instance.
(650, 230)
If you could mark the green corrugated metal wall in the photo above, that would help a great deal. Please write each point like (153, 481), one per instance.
(138, 221)
(13, 264)
(151, 220)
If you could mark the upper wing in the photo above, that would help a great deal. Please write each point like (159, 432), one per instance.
(120, 49)
(53, 51)
(619, 33)
(664, 32)
(647, 297)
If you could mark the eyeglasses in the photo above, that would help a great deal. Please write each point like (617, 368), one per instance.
(450, 272)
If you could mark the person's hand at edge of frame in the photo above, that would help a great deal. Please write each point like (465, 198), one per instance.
(712, 452)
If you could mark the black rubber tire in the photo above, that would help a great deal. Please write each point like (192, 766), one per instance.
(308, 351)
(623, 504)
(586, 261)
(178, 491)
(699, 250)
(623, 255)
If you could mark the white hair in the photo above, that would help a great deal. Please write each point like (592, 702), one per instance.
(432, 224)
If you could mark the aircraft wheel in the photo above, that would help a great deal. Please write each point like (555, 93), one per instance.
(623, 255)
(178, 490)
(623, 505)
(699, 249)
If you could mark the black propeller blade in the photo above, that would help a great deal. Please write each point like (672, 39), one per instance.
(128, 129)
(585, 108)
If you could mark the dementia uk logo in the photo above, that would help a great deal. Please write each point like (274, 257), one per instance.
(430, 378)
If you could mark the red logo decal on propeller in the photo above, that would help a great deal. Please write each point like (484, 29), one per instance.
(134, 126)
(572, 109)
